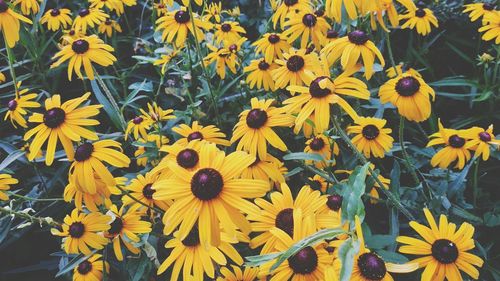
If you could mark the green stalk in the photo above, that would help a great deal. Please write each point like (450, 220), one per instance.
(407, 161)
(475, 181)
(127, 193)
(29, 217)
(389, 50)
(111, 98)
(11, 60)
(26, 198)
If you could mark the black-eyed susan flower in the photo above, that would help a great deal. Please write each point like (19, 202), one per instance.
(314, 100)
(129, 3)
(83, 52)
(272, 46)
(236, 273)
(196, 131)
(157, 114)
(308, 27)
(308, 264)
(284, 213)
(491, 27)
(393, 72)
(333, 9)
(125, 229)
(82, 232)
(410, 94)
(350, 49)
(28, 7)
(444, 249)
(196, 259)
(164, 60)
(57, 19)
(455, 147)
(186, 156)
(9, 23)
(371, 136)
(289, 9)
(109, 27)
(138, 126)
(480, 140)
(318, 183)
(323, 146)
(88, 163)
(160, 8)
(111, 5)
(177, 24)
(89, 18)
(92, 202)
(141, 189)
(6, 181)
(331, 35)
(64, 122)
(213, 11)
(419, 17)
(17, 107)
(223, 57)
(259, 74)
(255, 128)
(90, 269)
(158, 141)
(71, 34)
(478, 10)
(267, 169)
(230, 31)
(295, 68)
(215, 190)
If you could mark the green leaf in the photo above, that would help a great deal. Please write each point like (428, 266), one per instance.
(392, 256)
(74, 263)
(352, 204)
(11, 158)
(458, 185)
(379, 241)
(303, 156)
(113, 113)
(347, 251)
(253, 261)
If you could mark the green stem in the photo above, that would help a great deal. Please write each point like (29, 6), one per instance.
(330, 178)
(11, 60)
(407, 161)
(127, 193)
(390, 196)
(28, 217)
(26, 198)
(111, 99)
(389, 50)
(475, 181)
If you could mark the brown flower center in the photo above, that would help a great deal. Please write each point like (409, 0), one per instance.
(407, 86)
(256, 118)
(207, 184)
(80, 46)
(295, 63)
(456, 141)
(357, 37)
(182, 17)
(444, 251)
(371, 266)
(76, 230)
(284, 221)
(54, 117)
(84, 151)
(370, 132)
(305, 261)
(187, 158)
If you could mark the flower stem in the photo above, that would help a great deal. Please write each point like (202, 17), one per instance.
(26, 216)
(475, 181)
(27, 198)
(111, 99)
(127, 193)
(407, 161)
(390, 196)
(11, 60)
(389, 50)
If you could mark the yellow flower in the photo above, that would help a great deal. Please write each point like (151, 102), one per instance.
(141, 189)
(178, 24)
(289, 9)
(318, 183)
(6, 181)
(351, 48)
(88, 164)
(28, 7)
(16, 108)
(90, 17)
(214, 11)
(157, 140)
(491, 28)
(223, 57)
(371, 136)
(321, 145)
(228, 31)
(420, 18)
(308, 27)
(57, 18)
(478, 10)
(295, 68)
(2, 77)
(480, 141)
(61, 122)
(82, 52)
(410, 94)
(254, 129)
(139, 126)
(186, 156)
(9, 23)
(333, 9)
(260, 74)
(267, 169)
(215, 191)
(90, 269)
(108, 26)
(455, 148)
(444, 249)
(272, 46)
(164, 60)
(236, 273)
(72, 191)
(392, 72)
(112, 5)
(82, 230)
(208, 133)
(125, 228)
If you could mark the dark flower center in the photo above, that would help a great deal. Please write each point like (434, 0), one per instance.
(137, 120)
(371, 266)
(3, 6)
(225, 27)
(310, 49)
(207, 184)
(317, 144)
(357, 37)
(370, 132)
(488, 6)
(187, 158)
(233, 48)
(76, 230)
(291, 2)
(331, 33)
(304, 262)
(148, 191)
(116, 226)
(295, 63)
(195, 136)
(334, 202)
(182, 17)
(273, 38)
(84, 267)
(420, 13)
(319, 12)
(456, 141)
(420, 4)
(315, 185)
(55, 12)
(485, 136)
(12, 105)
(192, 239)
(108, 22)
(316, 91)
(263, 65)
(256, 118)
(309, 20)
(72, 32)
(84, 151)
(83, 12)
(284, 221)
(444, 251)
(407, 86)
(80, 46)
(54, 117)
